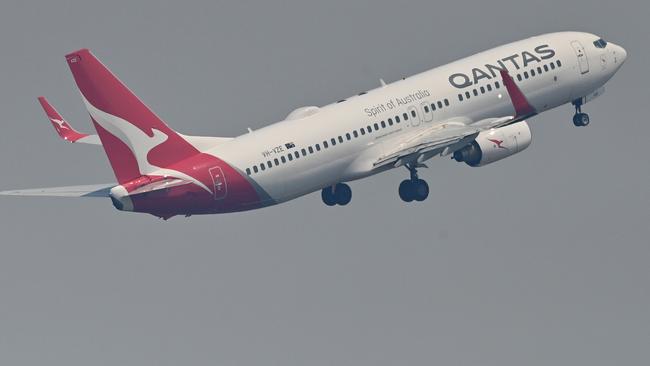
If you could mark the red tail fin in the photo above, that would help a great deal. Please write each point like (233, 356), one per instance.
(136, 141)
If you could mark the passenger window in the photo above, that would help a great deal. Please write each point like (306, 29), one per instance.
(369, 129)
(532, 72)
(559, 63)
(296, 154)
(269, 164)
(433, 107)
(545, 68)
(333, 141)
(413, 114)
(475, 92)
(248, 171)
(355, 133)
(446, 102)
(363, 131)
(390, 121)
(539, 70)
(460, 97)
(340, 139)
(347, 136)
(396, 119)
(311, 150)
(290, 157)
(317, 147)
(467, 95)
(489, 87)
(376, 127)
(439, 104)
(552, 66)
(519, 77)
(304, 152)
(426, 108)
(482, 90)
(497, 85)
(262, 166)
(255, 168)
(406, 116)
(276, 161)
(325, 144)
(284, 160)
(383, 124)
(526, 74)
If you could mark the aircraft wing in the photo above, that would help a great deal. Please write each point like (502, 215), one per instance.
(446, 137)
(95, 190)
(63, 128)
(443, 138)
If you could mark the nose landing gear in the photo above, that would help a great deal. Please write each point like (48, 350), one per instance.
(580, 119)
(414, 189)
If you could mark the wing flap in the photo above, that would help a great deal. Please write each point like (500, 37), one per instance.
(427, 141)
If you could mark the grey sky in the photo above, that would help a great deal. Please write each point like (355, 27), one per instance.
(541, 259)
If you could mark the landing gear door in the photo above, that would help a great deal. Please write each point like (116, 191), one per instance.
(583, 63)
(219, 187)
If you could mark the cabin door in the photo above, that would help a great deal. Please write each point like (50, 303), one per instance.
(583, 63)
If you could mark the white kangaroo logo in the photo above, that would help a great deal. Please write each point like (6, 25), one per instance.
(138, 142)
(59, 122)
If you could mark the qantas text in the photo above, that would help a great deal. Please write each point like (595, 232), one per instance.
(489, 71)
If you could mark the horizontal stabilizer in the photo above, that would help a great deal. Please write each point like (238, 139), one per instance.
(95, 190)
(63, 128)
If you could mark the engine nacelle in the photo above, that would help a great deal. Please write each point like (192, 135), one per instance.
(495, 144)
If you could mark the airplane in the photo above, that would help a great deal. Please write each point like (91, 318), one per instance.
(473, 111)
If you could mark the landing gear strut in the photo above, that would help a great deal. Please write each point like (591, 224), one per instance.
(340, 194)
(414, 189)
(580, 119)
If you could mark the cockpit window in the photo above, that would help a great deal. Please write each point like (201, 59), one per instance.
(601, 43)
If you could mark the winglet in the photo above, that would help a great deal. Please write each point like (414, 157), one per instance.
(522, 107)
(62, 127)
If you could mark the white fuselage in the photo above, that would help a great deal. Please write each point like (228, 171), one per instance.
(571, 68)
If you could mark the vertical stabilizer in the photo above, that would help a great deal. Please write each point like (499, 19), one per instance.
(136, 141)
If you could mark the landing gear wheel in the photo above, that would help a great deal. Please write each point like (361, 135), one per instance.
(343, 194)
(406, 191)
(581, 119)
(420, 190)
(414, 189)
(328, 196)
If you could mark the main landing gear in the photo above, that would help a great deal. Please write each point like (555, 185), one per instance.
(340, 194)
(414, 189)
(580, 119)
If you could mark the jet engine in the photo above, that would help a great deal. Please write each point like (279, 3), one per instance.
(496, 144)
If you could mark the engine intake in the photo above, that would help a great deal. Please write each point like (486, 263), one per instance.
(496, 144)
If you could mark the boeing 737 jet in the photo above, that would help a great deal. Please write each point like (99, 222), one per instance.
(473, 110)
